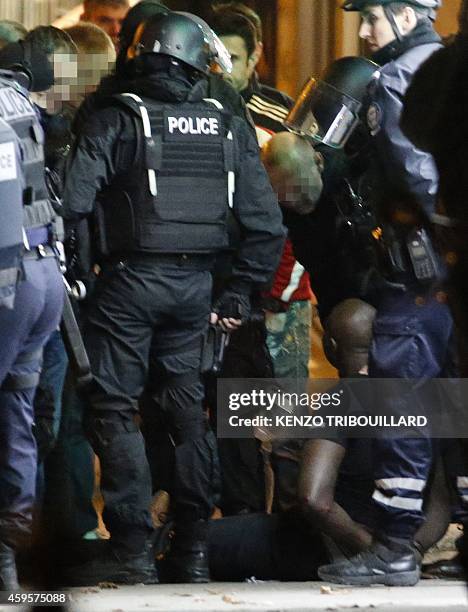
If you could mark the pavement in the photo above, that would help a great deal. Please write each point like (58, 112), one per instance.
(267, 597)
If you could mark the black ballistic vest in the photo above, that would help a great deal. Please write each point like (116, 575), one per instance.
(176, 196)
(24, 202)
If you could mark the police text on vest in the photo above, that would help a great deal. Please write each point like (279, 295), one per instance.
(193, 125)
(8, 170)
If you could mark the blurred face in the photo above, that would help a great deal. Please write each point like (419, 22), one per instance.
(92, 67)
(243, 65)
(376, 29)
(297, 190)
(65, 76)
(108, 18)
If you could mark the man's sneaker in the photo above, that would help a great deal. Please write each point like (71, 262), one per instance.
(379, 565)
(446, 569)
(117, 567)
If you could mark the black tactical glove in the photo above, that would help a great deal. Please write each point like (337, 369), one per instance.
(233, 305)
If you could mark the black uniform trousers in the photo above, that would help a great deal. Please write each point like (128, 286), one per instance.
(149, 314)
(241, 460)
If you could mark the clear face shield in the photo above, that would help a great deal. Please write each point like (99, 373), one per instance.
(324, 114)
(222, 58)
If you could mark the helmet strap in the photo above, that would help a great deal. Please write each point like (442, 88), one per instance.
(391, 18)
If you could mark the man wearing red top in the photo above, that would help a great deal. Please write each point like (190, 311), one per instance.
(288, 325)
(287, 304)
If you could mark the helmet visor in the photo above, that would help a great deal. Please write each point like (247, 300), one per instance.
(222, 58)
(324, 114)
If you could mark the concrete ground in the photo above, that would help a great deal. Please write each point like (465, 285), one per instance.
(271, 597)
(268, 597)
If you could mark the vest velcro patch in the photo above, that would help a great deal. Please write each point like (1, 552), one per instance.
(192, 126)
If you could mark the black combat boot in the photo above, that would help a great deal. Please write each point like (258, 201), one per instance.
(187, 561)
(8, 575)
(119, 565)
(390, 561)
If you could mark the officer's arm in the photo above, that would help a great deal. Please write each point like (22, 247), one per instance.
(258, 213)
(408, 170)
(424, 98)
(93, 162)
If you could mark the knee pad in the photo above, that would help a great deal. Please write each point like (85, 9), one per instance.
(102, 427)
(187, 424)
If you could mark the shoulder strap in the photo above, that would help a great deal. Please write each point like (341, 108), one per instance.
(215, 102)
(152, 152)
(228, 150)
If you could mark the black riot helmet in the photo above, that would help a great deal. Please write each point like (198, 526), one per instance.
(33, 68)
(327, 110)
(173, 35)
(135, 16)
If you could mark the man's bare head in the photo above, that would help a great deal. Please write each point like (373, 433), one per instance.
(107, 14)
(291, 163)
(348, 335)
(96, 58)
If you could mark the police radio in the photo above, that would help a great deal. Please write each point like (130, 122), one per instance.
(422, 255)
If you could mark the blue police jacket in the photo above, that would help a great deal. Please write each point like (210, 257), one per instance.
(402, 170)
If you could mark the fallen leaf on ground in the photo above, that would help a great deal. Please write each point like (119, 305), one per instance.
(231, 600)
(108, 585)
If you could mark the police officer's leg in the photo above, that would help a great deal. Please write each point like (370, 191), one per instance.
(411, 341)
(176, 367)
(118, 337)
(24, 332)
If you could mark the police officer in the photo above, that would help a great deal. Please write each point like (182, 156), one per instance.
(166, 166)
(413, 327)
(31, 296)
(333, 242)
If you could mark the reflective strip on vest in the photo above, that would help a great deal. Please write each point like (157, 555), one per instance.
(231, 181)
(231, 174)
(152, 182)
(215, 102)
